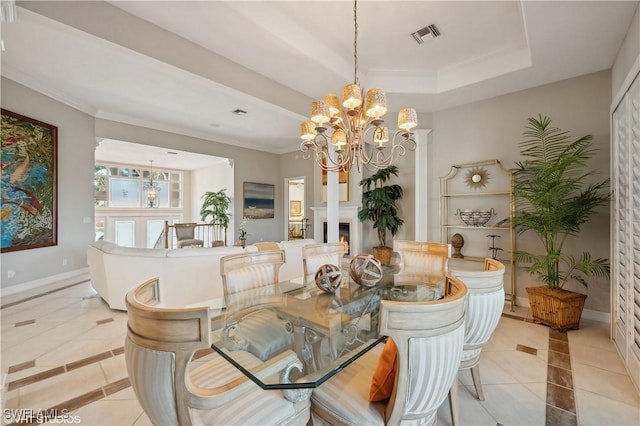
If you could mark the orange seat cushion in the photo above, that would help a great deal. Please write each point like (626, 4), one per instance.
(384, 377)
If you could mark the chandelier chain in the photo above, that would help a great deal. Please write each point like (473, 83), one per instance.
(355, 136)
(355, 41)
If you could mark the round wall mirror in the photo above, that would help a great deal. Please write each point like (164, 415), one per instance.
(476, 177)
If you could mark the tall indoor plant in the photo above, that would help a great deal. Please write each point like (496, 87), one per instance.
(555, 196)
(216, 206)
(379, 206)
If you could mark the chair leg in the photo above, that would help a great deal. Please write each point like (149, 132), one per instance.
(453, 401)
(475, 375)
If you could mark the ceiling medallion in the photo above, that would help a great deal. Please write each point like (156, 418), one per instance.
(358, 135)
(476, 177)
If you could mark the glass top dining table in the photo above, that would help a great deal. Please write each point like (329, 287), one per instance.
(326, 331)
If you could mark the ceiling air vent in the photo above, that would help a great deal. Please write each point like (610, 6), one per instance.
(430, 31)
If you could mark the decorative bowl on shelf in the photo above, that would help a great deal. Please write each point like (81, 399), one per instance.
(475, 217)
(466, 216)
(483, 216)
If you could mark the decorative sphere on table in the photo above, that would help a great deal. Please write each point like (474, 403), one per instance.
(365, 270)
(328, 278)
(457, 242)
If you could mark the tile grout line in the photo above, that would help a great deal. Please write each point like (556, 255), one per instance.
(66, 407)
(65, 368)
(554, 414)
(86, 398)
(560, 400)
(46, 293)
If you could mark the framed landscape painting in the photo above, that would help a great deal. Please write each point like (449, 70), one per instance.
(259, 200)
(29, 207)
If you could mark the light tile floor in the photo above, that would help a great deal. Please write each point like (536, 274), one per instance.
(64, 349)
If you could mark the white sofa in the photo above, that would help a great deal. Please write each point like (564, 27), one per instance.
(188, 276)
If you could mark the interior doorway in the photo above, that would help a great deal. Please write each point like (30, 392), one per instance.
(297, 224)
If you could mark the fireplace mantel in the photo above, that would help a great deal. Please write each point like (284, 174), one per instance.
(346, 214)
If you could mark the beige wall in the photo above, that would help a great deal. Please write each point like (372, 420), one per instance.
(628, 56)
(76, 147)
(493, 128)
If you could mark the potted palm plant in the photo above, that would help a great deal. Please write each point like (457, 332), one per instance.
(215, 207)
(379, 206)
(554, 197)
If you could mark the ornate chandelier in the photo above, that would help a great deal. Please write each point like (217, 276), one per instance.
(151, 188)
(358, 133)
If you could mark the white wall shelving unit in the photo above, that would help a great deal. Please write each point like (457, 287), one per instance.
(494, 190)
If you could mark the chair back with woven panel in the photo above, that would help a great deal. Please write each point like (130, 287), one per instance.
(427, 257)
(159, 349)
(316, 255)
(486, 302)
(429, 337)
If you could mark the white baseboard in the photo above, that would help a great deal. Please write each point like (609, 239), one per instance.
(523, 301)
(54, 279)
(586, 313)
(597, 316)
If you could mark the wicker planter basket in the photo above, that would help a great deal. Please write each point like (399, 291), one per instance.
(557, 308)
(383, 254)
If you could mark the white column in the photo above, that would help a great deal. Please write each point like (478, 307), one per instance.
(422, 184)
(333, 204)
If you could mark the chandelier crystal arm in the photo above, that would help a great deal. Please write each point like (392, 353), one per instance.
(319, 148)
(374, 154)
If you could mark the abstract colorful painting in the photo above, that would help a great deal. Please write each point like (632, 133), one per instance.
(28, 209)
(259, 200)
